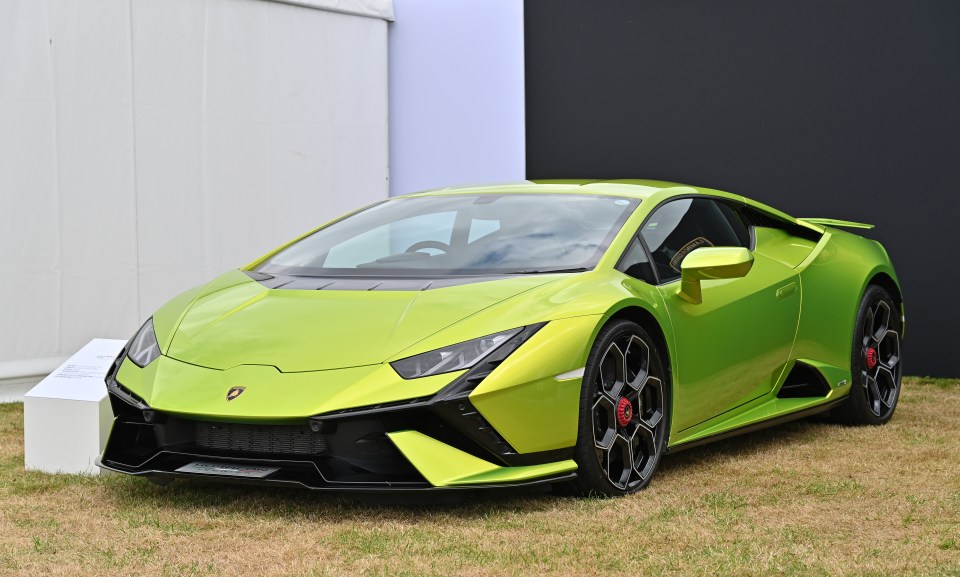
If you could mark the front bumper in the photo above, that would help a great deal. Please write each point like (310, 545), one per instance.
(439, 440)
(356, 454)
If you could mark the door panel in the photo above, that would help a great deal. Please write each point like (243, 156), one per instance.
(730, 348)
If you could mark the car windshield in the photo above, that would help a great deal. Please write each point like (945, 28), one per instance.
(458, 235)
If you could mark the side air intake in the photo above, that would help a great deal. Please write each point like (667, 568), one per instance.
(803, 381)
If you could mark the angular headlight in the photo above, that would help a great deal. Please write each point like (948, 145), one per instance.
(452, 358)
(143, 347)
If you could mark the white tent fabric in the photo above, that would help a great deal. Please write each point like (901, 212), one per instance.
(373, 8)
(148, 145)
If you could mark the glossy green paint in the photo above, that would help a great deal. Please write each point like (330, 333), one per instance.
(713, 263)
(303, 353)
(833, 279)
(768, 406)
(593, 293)
(299, 330)
(271, 396)
(524, 400)
(730, 348)
(781, 246)
(577, 305)
(445, 466)
(166, 319)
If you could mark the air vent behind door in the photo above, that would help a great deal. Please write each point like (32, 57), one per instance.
(803, 381)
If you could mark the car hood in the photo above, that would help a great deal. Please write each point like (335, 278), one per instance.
(246, 323)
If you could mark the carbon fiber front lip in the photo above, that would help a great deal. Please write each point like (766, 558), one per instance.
(339, 488)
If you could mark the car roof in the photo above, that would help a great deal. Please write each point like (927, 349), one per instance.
(633, 188)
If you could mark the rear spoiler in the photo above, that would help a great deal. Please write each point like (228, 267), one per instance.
(836, 223)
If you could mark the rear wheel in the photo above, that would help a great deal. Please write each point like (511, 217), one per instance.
(624, 412)
(875, 361)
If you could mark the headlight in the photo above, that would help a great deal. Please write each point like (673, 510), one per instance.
(452, 358)
(143, 346)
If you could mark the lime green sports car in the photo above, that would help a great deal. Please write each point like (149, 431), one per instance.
(537, 333)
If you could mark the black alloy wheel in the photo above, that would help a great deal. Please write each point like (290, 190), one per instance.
(875, 361)
(624, 412)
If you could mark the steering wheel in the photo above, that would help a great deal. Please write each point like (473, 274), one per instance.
(441, 246)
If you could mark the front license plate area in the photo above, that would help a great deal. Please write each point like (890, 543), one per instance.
(227, 469)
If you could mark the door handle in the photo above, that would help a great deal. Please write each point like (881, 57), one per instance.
(786, 291)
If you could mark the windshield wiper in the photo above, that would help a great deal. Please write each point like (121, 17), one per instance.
(550, 270)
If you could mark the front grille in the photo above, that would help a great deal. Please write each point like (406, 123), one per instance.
(280, 439)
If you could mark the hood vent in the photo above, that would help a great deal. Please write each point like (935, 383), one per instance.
(364, 283)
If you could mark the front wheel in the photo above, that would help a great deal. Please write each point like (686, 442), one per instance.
(624, 412)
(875, 361)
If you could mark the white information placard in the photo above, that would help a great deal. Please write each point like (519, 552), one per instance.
(67, 416)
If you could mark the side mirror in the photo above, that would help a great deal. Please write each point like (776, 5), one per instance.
(711, 263)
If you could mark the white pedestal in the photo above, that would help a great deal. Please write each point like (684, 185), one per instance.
(67, 416)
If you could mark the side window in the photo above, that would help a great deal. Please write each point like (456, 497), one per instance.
(636, 264)
(736, 223)
(679, 227)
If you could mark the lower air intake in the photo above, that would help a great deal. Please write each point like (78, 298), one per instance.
(275, 439)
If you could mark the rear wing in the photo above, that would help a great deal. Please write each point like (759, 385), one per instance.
(836, 223)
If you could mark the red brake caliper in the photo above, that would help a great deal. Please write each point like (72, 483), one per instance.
(624, 412)
(871, 357)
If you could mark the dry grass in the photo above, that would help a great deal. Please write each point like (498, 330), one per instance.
(803, 499)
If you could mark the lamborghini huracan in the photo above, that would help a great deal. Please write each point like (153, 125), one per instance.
(553, 332)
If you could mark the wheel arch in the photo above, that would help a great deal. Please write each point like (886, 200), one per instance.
(646, 319)
(887, 283)
(650, 323)
(635, 311)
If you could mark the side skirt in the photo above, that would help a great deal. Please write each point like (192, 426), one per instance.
(808, 412)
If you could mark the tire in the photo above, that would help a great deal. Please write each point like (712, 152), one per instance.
(624, 412)
(875, 362)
